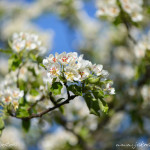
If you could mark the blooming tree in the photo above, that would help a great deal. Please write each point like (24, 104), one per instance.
(52, 95)
(37, 80)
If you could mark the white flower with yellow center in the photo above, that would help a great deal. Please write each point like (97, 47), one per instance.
(71, 74)
(11, 96)
(26, 41)
(53, 70)
(107, 8)
(51, 59)
(133, 8)
(18, 45)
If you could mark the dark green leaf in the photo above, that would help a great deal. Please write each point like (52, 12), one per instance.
(77, 90)
(14, 62)
(26, 125)
(96, 106)
(56, 88)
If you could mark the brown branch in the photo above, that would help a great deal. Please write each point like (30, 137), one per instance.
(45, 111)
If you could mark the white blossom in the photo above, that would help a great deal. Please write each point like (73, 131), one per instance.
(26, 41)
(73, 68)
(11, 96)
(110, 8)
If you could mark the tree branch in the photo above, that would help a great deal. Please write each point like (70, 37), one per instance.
(45, 111)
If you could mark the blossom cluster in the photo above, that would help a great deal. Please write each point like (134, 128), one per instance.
(110, 8)
(107, 8)
(11, 96)
(26, 41)
(74, 68)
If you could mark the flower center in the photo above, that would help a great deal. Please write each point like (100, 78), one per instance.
(64, 59)
(70, 75)
(81, 73)
(54, 59)
(53, 71)
(8, 99)
(15, 94)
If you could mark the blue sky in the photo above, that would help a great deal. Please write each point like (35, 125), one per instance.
(63, 34)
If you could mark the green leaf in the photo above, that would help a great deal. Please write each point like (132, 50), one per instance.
(54, 79)
(33, 57)
(22, 84)
(92, 80)
(6, 51)
(14, 62)
(56, 88)
(34, 92)
(23, 111)
(96, 106)
(26, 125)
(103, 106)
(98, 94)
(2, 125)
(92, 104)
(77, 90)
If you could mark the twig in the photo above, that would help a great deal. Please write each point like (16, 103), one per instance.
(45, 111)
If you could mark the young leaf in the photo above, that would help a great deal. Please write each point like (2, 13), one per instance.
(56, 88)
(34, 92)
(14, 62)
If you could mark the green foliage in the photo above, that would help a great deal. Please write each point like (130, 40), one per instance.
(96, 106)
(6, 51)
(23, 111)
(77, 90)
(2, 125)
(33, 57)
(93, 80)
(56, 88)
(14, 62)
(34, 92)
(26, 125)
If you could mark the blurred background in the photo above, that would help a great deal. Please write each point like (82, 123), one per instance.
(121, 45)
